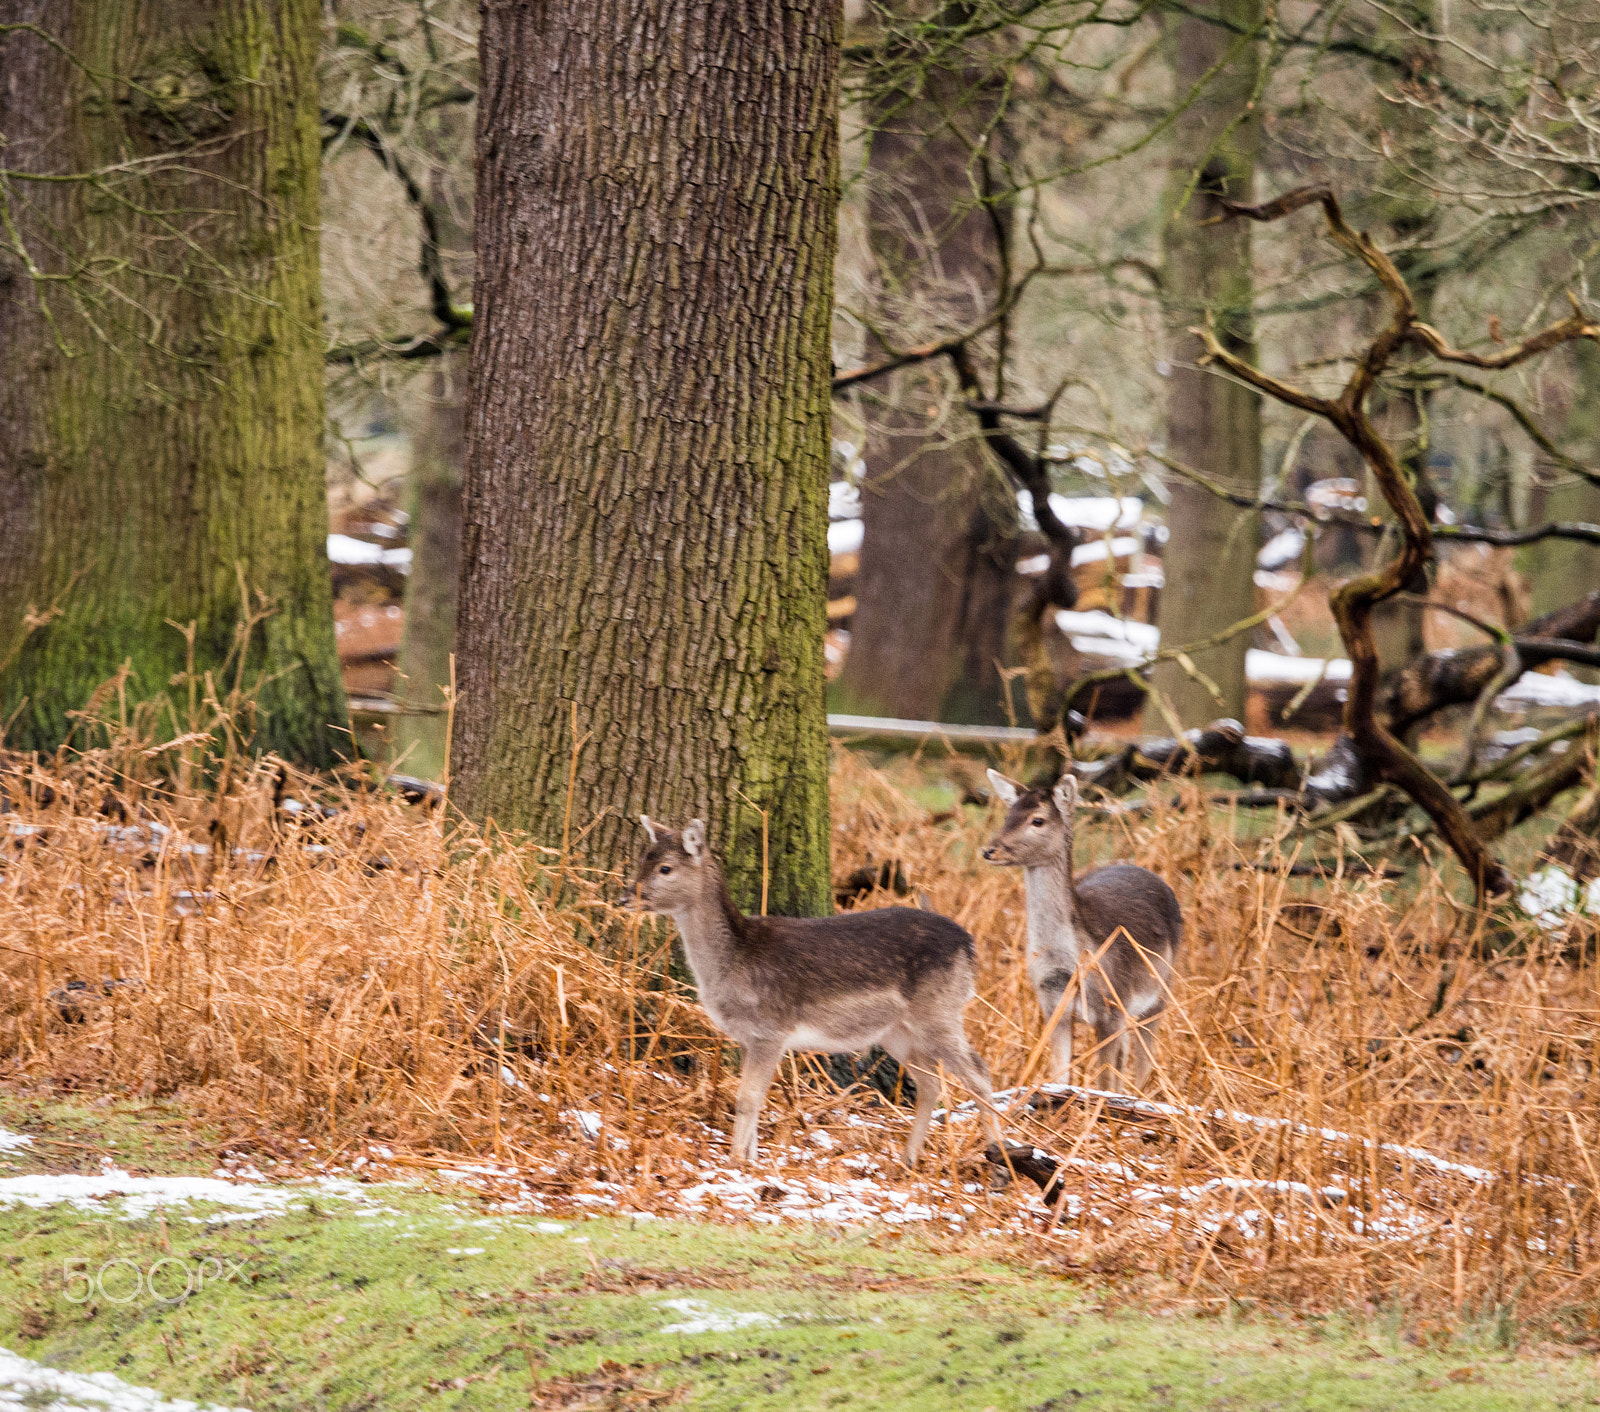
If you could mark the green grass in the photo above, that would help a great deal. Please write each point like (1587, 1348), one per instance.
(331, 1308)
(344, 1305)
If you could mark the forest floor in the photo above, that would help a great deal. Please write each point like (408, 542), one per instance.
(393, 1117)
(332, 1292)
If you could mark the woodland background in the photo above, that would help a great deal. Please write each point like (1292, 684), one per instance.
(425, 447)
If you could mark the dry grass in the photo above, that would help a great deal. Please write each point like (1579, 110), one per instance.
(368, 978)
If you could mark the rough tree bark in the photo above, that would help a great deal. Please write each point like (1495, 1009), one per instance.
(645, 553)
(430, 629)
(161, 412)
(1213, 423)
(938, 557)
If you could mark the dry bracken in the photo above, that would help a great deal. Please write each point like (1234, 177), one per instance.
(1356, 1101)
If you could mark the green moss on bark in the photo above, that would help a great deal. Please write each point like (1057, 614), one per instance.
(161, 442)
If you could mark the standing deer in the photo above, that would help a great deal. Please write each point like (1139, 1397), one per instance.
(1069, 920)
(893, 976)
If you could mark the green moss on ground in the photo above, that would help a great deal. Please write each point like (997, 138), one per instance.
(410, 1298)
(425, 1302)
(74, 1133)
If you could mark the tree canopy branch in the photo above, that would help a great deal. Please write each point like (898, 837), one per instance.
(431, 263)
(1378, 750)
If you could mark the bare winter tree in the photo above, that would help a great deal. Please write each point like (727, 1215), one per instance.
(1213, 423)
(1370, 741)
(939, 552)
(645, 560)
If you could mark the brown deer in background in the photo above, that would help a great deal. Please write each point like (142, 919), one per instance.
(892, 976)
(1069, 922)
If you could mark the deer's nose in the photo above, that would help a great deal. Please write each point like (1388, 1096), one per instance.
(989, 852)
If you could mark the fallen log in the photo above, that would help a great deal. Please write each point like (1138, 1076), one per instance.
(1529, 796)
(1221, 747)
(1408, 696)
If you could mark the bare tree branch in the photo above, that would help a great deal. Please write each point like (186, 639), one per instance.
(422, 345)
(1379, 751)
(922, 353)
(431, 264)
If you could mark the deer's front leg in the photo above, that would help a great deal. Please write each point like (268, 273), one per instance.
(1051, 989)
(757, 1066)
(1061, 1051)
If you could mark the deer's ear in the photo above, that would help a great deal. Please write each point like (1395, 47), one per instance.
(1065, 795)
(694, 838)
(1008, 790)
(649, 826)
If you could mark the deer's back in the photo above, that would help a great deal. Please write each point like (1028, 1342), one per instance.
(879, 948)
(1133, 898)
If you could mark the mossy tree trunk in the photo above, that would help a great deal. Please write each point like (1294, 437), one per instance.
(1213, 423)
(939, 552)
(161, 413)
(645, 548)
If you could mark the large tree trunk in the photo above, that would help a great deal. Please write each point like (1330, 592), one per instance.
(430, 630)
(161, 412)
(645, 553)
(1213, 423)
(938, 557)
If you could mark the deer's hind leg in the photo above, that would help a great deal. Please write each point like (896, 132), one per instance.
(934, 1060)
(1142, 1049)
(1111, 1032)
(905, 1049)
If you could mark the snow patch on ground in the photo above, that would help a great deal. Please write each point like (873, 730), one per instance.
(703, 1319)
(1552, 897)
(139, 1196)
(24, 1383)
(11, 1142)
(804, 1198)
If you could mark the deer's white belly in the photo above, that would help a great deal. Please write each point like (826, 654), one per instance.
(829, 1042)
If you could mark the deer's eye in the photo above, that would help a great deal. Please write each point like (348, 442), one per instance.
(1038, 821)
(664, 869)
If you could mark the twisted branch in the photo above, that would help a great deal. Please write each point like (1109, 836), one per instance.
(1352, 602)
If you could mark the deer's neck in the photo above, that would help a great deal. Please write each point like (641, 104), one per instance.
(710, 928)
(1052, 917)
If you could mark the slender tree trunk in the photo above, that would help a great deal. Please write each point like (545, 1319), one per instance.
(1213, 423)
(645, 556)
(938, 564)
(161, 412)
(430, 630)
(938, 557)
(1557, 570)
(1409, 211)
